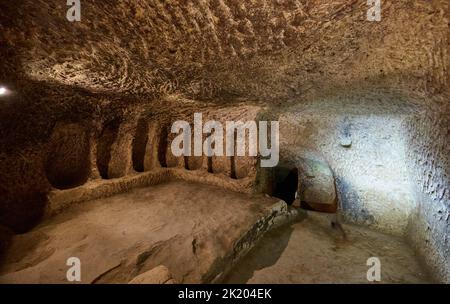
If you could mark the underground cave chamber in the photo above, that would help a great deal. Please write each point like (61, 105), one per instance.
(87, 132)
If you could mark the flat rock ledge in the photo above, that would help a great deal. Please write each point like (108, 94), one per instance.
(175, 232)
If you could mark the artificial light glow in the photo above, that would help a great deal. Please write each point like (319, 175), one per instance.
(2, 90)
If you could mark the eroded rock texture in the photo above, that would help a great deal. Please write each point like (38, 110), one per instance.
(369, 98)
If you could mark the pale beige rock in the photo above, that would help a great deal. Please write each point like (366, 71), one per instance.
(158, 275)
(316, 183)
(316, 186)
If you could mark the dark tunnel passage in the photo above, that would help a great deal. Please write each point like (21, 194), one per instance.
(286, 184)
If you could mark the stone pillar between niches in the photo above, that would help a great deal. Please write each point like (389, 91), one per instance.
(265, 179)
(222, 164)
(194, 162)
(151, 149)
(172, 160)
(95, 173)
(121, 163)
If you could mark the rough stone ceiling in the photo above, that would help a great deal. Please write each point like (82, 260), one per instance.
(257, 50)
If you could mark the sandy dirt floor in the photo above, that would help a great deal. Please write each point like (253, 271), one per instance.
(311, 251)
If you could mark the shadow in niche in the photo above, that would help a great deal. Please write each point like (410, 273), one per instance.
(233, 158)
(105, 142)
(266, 253)
(233, 167)
(162, 147)
(139, 145)
(67, 164)
(210, 165)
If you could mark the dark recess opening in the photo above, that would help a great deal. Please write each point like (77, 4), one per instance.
(210, 164)
(209, 158)
(67, 165)
(233, 167)
(285, 183)
(139, 145)
(162, 147)
(233, 158)
(186, 162)
(107, 138)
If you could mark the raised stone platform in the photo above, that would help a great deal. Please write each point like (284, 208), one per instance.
(197, 231)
